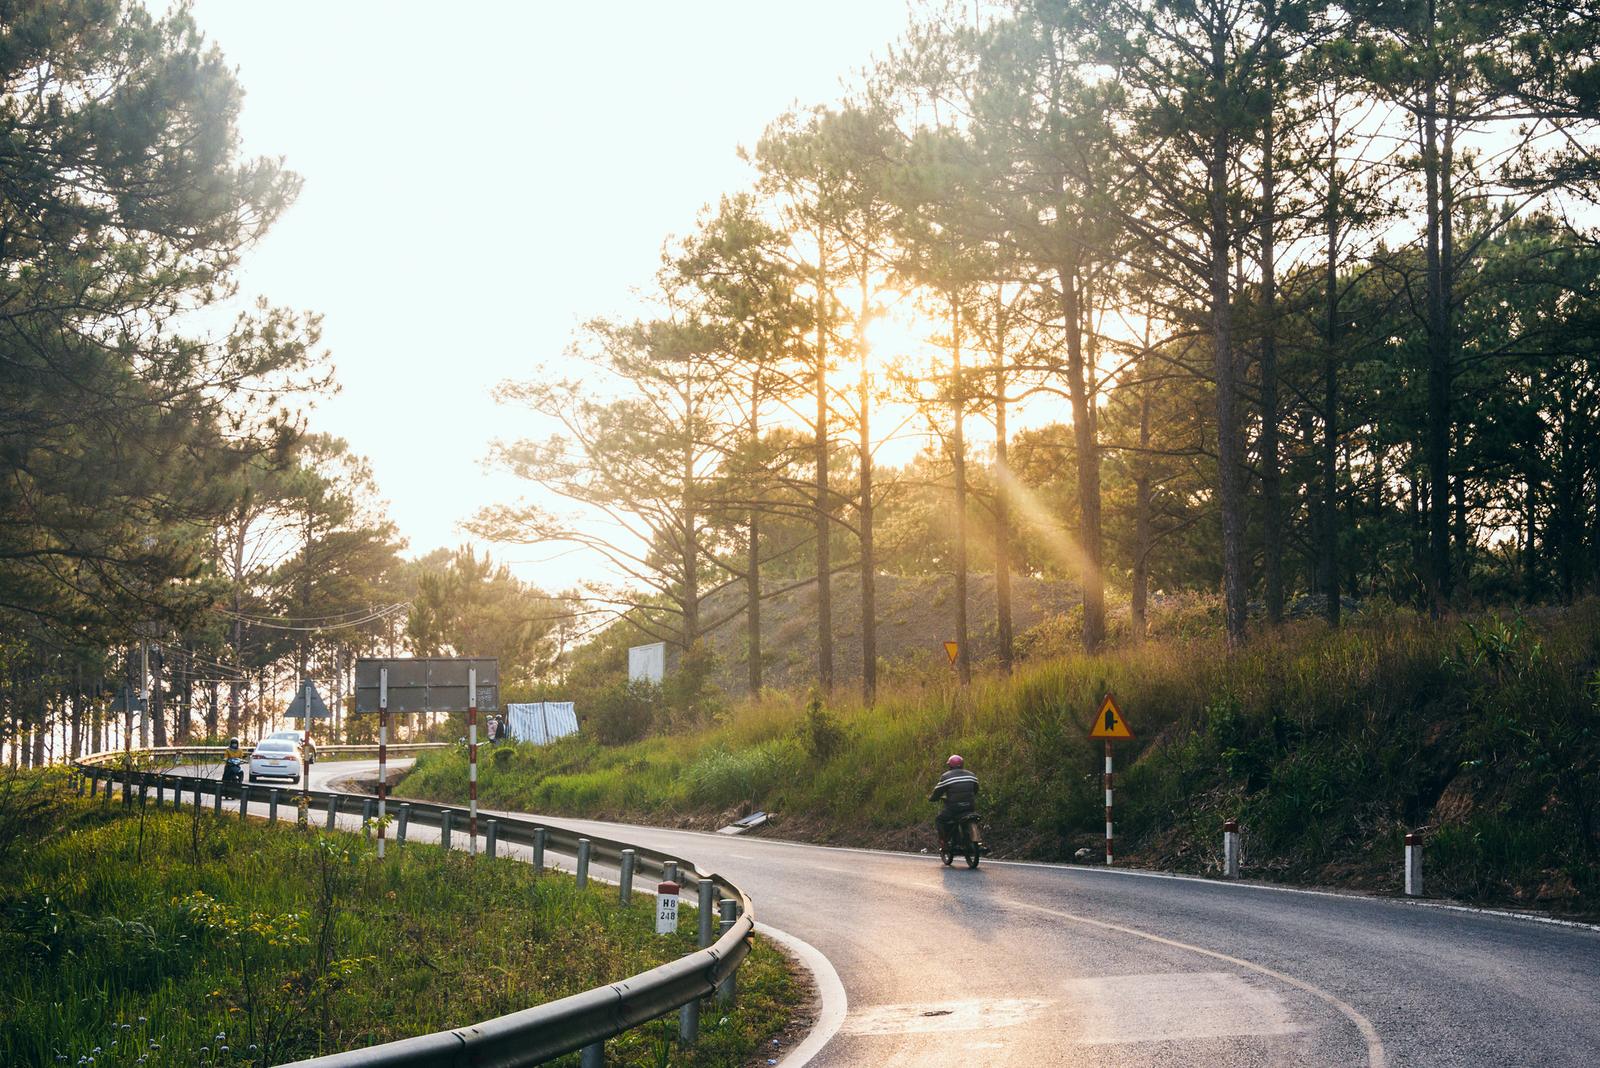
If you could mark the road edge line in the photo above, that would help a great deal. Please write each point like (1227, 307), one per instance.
(1144, 873)
(835, 1003)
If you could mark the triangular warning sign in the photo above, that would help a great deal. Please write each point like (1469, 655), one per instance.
(952, 649)
(297, 707)
(1108, 722)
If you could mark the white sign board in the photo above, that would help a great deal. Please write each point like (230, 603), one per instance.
(666, 913)
(647, 663)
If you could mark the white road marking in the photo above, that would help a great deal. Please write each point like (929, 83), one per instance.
(924, 1017)
(1174, 1006)
(835, 1005)
(1376, 1057)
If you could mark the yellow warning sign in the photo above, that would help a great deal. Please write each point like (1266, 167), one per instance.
(1108, 722)
(951, 649)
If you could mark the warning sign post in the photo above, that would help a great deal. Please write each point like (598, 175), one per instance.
(1109, 726)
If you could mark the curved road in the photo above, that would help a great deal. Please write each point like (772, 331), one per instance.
(1025, 964)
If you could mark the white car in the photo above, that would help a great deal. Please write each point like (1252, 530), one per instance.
(276, 758)
(297, 737)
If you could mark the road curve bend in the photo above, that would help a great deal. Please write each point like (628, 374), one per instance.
(1033, 964)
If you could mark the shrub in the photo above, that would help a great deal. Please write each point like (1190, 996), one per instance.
(820, 733)
(623, 712)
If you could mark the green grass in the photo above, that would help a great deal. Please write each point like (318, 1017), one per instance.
(167, 940)
(1327, 746)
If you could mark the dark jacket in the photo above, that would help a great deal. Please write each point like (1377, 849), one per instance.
(957, 788)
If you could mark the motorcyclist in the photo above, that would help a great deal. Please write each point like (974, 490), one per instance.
(234, 750)
(957, 788)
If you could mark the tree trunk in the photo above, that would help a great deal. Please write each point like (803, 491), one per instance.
(77, 713)
(752, 585)
(1438, 413)
(158, 698)
(1002, 529)
(958, 457)
(1140, 595)
(1328, 510)
(823, 501)
(1271, 493)
(1088, 460)
(869, 563)
(1229, 458)
(869, 593)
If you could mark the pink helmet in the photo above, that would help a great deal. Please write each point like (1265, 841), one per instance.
(954, 761)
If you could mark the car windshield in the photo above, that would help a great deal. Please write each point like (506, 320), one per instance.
(275, 745)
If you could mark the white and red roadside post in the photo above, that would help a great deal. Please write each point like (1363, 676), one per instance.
(1110, 837)
(1413, 865)
(383, 752)
(472, 760)
(305, 747)
(667, 896)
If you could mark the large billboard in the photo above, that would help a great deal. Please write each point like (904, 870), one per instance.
(428, 684)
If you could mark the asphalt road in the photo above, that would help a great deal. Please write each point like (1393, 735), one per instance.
(1022, 964)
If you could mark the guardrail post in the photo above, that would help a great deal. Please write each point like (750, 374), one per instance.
(669, 871)
(368, 810)
(333, 810)
(216, 804)
(272, 805)
(144, 786)
(446, 818)
(244, 801)
(539, 835)
(127, 789)
(625, 883)
(491, 836)
(1413, 865)
(708, 907)
(400, 824)
(1230, 849)
(689, 1023)
(729, 986)
(161, 790)
(197, 798)
(583, 863)
(593, 1056)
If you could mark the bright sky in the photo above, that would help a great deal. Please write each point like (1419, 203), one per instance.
(482, 177)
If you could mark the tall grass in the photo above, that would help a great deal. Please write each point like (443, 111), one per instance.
(1327, 745)
(165, 940)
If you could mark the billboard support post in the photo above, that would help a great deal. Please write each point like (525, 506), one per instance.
(383, 752)
(472, 761)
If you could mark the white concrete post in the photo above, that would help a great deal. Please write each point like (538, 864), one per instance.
(1230, 849)
(1413, 865)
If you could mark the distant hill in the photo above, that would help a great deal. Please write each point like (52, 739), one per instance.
(916, 615)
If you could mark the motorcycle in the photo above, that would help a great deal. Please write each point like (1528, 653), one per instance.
(233, 770)
(964, 843)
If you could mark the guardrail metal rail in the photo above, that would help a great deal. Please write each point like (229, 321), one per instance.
(581, 1022)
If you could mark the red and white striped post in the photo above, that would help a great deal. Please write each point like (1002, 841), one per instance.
(383, 752)
(305, 747)
(472, 761)
(1110, 842)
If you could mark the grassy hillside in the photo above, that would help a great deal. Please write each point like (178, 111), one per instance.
(1327, 746)
(176, 940)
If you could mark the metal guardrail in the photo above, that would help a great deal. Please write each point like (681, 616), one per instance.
(534, 1035)
(112, 756)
